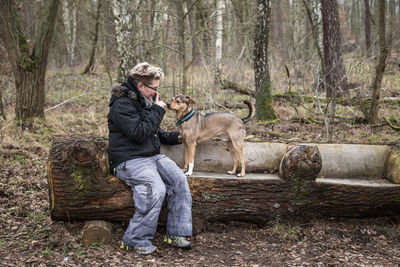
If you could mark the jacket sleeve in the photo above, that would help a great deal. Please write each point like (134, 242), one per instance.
(168, 138)
(126, 118)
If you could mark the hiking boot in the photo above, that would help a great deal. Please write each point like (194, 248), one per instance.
(178, 241)
(140, 250)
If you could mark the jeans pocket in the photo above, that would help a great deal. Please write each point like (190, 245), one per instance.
(142, 198)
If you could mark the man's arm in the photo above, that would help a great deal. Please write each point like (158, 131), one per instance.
(169, 138)
(126, 118)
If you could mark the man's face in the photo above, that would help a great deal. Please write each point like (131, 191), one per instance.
(149, 90)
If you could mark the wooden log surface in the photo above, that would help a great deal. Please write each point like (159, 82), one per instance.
(99, 232)
(81, 188)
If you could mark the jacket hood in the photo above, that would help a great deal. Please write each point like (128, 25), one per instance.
(125, 89)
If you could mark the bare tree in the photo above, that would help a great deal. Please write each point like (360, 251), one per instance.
(335, 79)
(367, 22)
(70, 24)
(264, 100)
(28, 61)
(218, 42)
(372, 114)
(124, 26)
(89, 66)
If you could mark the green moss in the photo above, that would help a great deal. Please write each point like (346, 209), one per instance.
(373, 139)
(264, 105)
(83, 182)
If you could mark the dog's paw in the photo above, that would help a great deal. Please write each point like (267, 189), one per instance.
(240, 175)
(188, 173)
(231, 173)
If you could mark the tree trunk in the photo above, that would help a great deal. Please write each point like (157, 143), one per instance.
(70, 24)
(28, 63)
(278, 23)
(124, 21)
(372, 115)
(218, 43)
(355, 19)
(264, 100)
(335, 74)
(89, 67)
(193, 32)
(367, 27)
(81, 188)
(315, 34)
(182, 41)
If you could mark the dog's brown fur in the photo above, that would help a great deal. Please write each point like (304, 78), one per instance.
(202, 127)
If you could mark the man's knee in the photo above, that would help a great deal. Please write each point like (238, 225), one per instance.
(148, 196)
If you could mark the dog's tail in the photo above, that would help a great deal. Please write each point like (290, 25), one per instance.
(251, 111)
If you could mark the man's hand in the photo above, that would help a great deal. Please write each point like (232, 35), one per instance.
(158, 102)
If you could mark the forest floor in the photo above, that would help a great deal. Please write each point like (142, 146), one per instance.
(28, 236)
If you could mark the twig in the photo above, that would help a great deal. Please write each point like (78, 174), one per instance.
(66, 101)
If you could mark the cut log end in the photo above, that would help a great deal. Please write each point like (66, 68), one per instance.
(96, 232)
(301, 161)
(299, 167)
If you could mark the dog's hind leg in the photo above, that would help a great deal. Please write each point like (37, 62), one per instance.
(232, 151)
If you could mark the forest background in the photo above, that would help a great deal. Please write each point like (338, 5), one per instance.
(319, 70)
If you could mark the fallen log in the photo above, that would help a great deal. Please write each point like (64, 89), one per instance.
(81, 187)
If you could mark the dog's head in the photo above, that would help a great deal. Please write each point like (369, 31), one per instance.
(180, 103)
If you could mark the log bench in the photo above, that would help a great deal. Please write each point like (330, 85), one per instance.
(283, 182)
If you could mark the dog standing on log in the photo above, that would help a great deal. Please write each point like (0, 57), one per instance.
(198, 127)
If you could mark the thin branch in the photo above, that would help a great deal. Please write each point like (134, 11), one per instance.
(66, 101)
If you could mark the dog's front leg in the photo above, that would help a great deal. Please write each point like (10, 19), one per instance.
(189, 157)
(186, 152)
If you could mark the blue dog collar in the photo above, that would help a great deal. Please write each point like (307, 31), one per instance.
(185, 118)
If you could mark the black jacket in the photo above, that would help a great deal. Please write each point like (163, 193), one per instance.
(134, 129)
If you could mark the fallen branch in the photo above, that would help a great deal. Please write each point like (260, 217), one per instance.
(65, 102)
(226, 84)
(394, 127)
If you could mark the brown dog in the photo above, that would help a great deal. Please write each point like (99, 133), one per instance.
(198, 127)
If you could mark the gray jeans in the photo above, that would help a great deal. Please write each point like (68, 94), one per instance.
(151, 179)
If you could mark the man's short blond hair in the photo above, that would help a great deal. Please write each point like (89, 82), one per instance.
(144, 72)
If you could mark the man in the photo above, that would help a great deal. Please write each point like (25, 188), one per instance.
(134, 122)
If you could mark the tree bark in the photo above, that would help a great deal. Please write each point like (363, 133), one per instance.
(179, 4)
(70, 24)
(372, 114)
(218, 43)
(124, 27)
(335, 74)
(28, 63)
(89, 66)
(99, 232)
(81, 188)
(264, 100)
(367, 26)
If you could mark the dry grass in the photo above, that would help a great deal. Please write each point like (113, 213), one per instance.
(87, 100)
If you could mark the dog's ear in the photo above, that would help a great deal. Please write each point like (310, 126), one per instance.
(189, 100)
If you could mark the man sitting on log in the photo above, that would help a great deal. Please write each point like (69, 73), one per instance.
(134, 122)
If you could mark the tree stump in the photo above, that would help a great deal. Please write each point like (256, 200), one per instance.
(96, 232)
